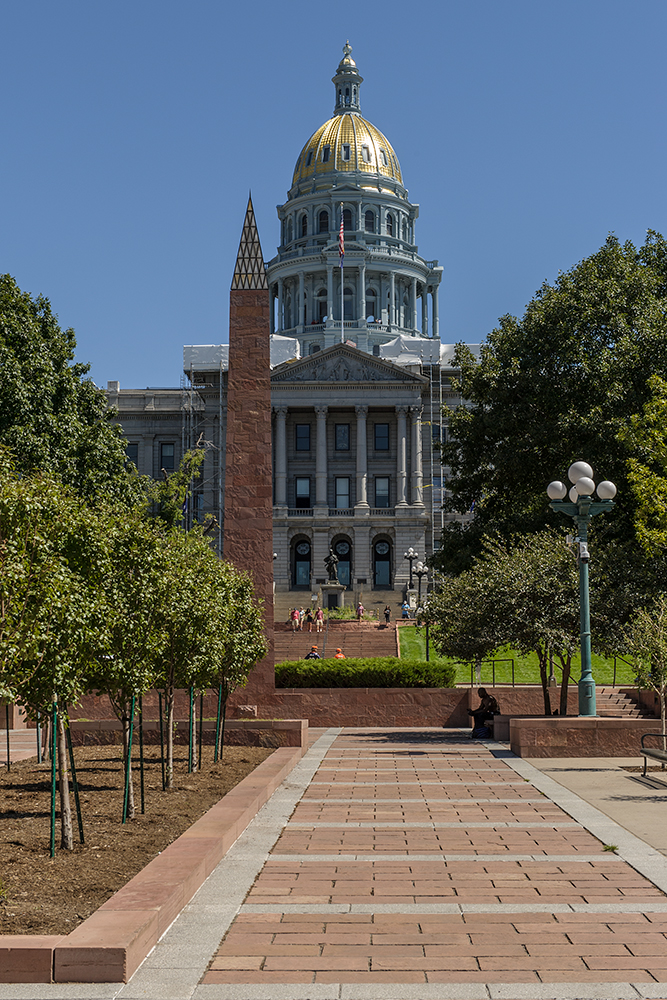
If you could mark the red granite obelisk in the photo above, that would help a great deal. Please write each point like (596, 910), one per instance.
(248, 525)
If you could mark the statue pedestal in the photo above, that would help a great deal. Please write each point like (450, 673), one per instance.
(332, 594)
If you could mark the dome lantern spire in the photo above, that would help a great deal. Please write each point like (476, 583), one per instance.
(347, 82)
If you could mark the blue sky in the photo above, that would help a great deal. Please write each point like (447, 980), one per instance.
(526, 131)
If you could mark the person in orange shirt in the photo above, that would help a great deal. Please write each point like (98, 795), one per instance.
(340, 655)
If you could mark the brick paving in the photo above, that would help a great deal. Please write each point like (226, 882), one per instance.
(428, 860)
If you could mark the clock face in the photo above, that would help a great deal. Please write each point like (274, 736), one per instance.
(303, 548)
(382, 548)
(342, 548)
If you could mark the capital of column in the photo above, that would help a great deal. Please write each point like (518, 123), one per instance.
(280, 409)
(321, 410)
(361, 410)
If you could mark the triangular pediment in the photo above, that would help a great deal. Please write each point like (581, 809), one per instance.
(342, 363)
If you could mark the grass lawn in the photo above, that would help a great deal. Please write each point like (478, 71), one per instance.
(526, 669)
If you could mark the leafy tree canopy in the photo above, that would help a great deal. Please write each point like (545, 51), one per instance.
(51, 416)
(558, 385)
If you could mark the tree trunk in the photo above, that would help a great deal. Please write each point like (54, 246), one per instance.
(169, 698)
(543, 657)
(66, 834)
(128, 764)
(566, 666)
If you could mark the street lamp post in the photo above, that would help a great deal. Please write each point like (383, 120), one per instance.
(420, 571)
(411, 556)
(581, 508)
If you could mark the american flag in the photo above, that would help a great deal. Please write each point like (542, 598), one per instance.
(341, 238)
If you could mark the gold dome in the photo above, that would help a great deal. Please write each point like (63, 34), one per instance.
(347, 142)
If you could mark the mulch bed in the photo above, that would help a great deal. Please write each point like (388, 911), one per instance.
(44, 895)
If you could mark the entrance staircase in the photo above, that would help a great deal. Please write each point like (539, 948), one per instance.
(614, 703)
(354, 638)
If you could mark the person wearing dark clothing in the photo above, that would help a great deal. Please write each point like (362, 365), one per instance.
(313, 655)
(488, 707)
(387, 614)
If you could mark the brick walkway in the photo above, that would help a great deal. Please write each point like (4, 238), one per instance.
(416, 857)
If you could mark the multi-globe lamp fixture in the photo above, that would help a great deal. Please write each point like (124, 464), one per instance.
(581, 507)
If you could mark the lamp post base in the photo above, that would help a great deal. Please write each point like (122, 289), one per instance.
(587, 705)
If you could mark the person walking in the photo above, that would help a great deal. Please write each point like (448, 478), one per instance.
(387, 614)
(319, 619)
(294, 618)
(340, 655)
(360, 611)
(309, 619)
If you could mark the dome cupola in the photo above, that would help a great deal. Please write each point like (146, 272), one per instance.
(347, 82)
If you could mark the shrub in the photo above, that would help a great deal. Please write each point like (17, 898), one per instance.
(381, 671)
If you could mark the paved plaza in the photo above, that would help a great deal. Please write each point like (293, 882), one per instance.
(403, 864)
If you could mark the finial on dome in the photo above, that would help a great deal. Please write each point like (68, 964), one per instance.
(347, 82)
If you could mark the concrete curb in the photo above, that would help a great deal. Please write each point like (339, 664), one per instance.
(111, 944)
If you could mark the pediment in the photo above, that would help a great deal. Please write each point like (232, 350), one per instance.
(340, 364)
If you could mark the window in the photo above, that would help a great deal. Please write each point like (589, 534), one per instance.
(309, 158)
(369, 222)
(324, 222)
(321, 305)
(366, 154)
(376, 350)
(302, 493)
(390, 225)
(346, 151)
(303, 437)
(326, 153)
(167, 457)
(382, 491)
(344, 552)
(342, 437)
(342, 492)
(383, 157)
(304, 225)
(382, 564)
(382, 437)
(314, 348)
(289, 230)
(132, 452)
(347, 219)
(302, 557)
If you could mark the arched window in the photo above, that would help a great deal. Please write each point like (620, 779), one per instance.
(347, 95)
(369, 221)
(302, 559)
(390, 224)
(288, 311)
(323, 220)
(348, 296)
(405, 230)
(371, 304)
(321, 301)
(304, 225)
(343, 549)
(347, 219)
(382, 547)
(289, 230)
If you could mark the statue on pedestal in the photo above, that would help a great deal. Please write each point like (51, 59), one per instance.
(331, 563)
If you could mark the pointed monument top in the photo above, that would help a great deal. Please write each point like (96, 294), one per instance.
(250, 271)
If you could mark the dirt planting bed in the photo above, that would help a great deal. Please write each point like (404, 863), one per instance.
(41, 895)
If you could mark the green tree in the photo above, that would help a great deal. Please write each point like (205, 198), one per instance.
(130, 644)
(51, 416)
(523, 594)
(646, 437)
(558, 385)
(647, 641)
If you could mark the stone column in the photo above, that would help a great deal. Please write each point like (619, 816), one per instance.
(416, 447)
(329, 292)
(300, 304)
(281, 456)
(436, 322)
(321, 457)
(362, 464)
(362, 294)
(272, 310)
(424, 312)
(280, 305)
(401, 456)
(391, 318)
(413, 304)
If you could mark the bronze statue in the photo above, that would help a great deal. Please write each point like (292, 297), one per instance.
(331, 563)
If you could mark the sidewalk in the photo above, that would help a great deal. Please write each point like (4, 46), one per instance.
(415, 865)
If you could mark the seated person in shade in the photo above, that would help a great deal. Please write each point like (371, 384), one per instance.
(340, 655)
(488, 707)
(313, 655)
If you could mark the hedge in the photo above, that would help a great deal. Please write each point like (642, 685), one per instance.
(381, 671)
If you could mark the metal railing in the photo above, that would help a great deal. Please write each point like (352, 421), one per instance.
(480, 663)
